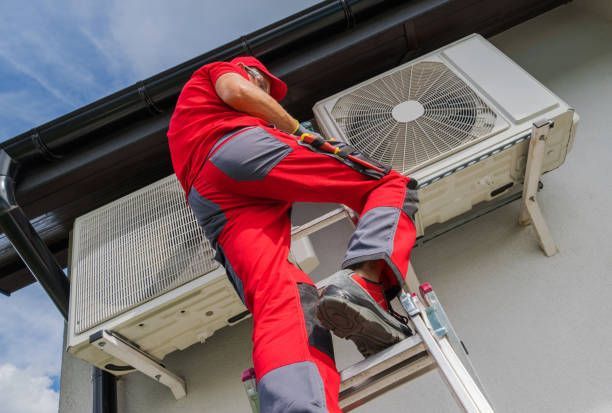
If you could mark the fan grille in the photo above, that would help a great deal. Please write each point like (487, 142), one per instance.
(413, 116)
(134, 250)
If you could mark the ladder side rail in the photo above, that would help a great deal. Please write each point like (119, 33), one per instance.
(458, 390)
(446, 370)
(451, 336)
(465, 377)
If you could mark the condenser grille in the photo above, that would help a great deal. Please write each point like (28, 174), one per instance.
(133, 250)
(413, 116)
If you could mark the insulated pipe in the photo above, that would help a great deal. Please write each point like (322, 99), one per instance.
(49, 140)
(26, 241)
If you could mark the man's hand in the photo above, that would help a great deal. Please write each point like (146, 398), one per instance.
(302, 130)
(244, 96)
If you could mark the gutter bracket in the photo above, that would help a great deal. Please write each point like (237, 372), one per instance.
(42, 147)
(348, 14)
(244, 41)
(144, 96)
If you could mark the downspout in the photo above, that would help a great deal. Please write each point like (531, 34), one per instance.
(42, 264)
(104, 391)
(26, 241)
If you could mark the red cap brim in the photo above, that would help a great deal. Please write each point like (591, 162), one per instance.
(278, 88)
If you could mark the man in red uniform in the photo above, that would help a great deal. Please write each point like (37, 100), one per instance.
(237, 154)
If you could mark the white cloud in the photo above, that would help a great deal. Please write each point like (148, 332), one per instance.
(35, 53)
(20, 67)
(22, 107)
(21, 391)
(31, 331)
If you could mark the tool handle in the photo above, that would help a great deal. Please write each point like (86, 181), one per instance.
(365, 164)
(325, 146)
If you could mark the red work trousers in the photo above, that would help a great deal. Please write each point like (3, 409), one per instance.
(242, 198)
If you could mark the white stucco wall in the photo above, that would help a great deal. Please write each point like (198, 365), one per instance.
(537, 327)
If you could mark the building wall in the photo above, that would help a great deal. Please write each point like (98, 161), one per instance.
(536, 327)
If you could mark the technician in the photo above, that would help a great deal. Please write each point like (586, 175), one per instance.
(243, 161)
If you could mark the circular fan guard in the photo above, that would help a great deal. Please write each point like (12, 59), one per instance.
(447, 117)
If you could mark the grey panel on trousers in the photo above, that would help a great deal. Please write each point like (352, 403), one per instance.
(222, 139)
(250, 155)
(373, 237)
(411, 202)
(231, 273)
(318, 336)
(212, 220)
(295, 388)
(209, 215)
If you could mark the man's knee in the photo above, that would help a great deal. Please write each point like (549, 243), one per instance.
(410, 204)
(294, 388)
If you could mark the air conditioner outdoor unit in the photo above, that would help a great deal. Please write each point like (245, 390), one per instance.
(144, 281)
(459, 120)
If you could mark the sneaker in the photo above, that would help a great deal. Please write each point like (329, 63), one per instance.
(350, 312)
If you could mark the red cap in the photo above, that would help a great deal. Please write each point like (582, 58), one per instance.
(278, 88)
(425, 288)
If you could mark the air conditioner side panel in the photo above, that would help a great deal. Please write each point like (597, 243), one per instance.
(481, 182)
(459, 192)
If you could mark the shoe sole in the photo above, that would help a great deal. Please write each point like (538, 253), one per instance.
(357, 323)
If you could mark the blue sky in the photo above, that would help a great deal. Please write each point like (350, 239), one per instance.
(56, 56)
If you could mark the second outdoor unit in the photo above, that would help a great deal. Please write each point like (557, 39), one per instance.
(458, 120)
(142, 271)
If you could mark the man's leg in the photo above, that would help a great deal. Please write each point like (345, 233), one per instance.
(267, 163)
(292, 352)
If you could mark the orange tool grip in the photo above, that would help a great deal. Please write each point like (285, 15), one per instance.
(329, 148)
(365, 164)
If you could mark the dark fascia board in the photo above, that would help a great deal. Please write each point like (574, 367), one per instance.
(133, 153)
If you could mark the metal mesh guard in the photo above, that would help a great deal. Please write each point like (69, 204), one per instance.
(134, 250)
(413, 116)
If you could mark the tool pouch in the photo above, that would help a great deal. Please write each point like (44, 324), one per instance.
(342, 156)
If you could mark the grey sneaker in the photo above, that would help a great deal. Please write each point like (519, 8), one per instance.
(350, 312)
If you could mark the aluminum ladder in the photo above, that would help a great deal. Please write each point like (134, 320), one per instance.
(434, 345)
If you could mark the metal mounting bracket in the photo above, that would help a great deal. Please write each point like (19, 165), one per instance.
(118, 347)
(530, 209)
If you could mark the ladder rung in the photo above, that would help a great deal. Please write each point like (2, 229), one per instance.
(383, 371)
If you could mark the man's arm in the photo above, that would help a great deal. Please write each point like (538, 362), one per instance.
(244, 96)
